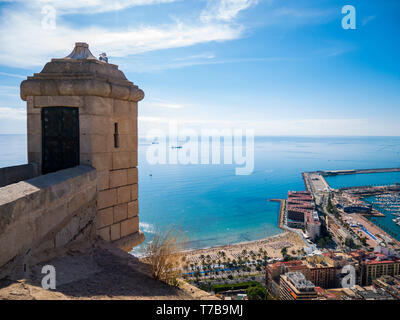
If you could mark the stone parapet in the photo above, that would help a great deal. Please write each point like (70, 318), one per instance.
(47, 212)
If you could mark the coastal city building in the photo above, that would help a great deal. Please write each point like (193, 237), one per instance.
(275, 270)
(301, 214)
(340, 260)
(295, 286)
(390, 284)
(321, 271)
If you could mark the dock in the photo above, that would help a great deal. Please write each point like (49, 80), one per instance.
(281, 212)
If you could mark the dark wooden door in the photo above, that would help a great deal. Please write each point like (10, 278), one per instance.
(60, 138)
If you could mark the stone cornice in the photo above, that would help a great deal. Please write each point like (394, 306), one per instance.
(80, 87)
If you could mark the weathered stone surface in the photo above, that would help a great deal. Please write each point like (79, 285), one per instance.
(16, 174)
(107, 198)
(57, 101)
(54, 206)
(120, 92)
(81, 77)
(134, 191)
(115, 231)
(100, 161)
(118, 178)
(121, 160)
(98, 106)
(122, 108)
(133, 209)
(34, 142)
(95, 124)
(128, 242)
(103, 180)
(134, 159)
(132, 175)
(93, 143)
(104, 233)
(67, 233)
(129, 226)
(120, 212)
(105, 217)
(34, 124)
(123, 194)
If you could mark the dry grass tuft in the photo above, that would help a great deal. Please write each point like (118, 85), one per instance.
(164, 254)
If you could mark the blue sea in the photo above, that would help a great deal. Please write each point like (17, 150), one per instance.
(213, 206)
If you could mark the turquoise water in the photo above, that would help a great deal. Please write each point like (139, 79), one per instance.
(363, 179)
(214, 206)
(386, 222)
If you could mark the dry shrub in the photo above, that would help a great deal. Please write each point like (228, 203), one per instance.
(164, 254)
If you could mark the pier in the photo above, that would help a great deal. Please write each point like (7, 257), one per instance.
(281, 223)
(357, 171)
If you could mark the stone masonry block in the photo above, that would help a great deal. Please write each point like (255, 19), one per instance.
(100, 161)
(34, 123)
(129, 226)
(107, 198)
(93, 143)
(124, 194)
(115, 231)
(104, 233)
(98, 106)
(134, 191)
(34, 142)
(122, 108)
(121, 160)
(132, 175)
(134, 159)
(120, 212)
(95, 124)
(118, 178)
(133, 209)
(103, 180)
(105, 217)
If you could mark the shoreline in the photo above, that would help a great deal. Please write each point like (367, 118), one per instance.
(271, 246)
(243, 243)
(284, 234)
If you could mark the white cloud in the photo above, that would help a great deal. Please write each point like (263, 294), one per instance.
(163, 104)
(12, 113)
(24, 43)
(225, 10)
(12, 75)
(88, 6)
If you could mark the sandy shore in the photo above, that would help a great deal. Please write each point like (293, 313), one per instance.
(272, 245)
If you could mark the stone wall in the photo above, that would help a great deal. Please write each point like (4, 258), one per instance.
(47, 212)
(16, 174)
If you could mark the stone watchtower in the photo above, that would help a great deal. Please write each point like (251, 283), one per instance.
(84, 111)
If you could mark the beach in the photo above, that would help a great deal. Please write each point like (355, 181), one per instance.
(271, 245)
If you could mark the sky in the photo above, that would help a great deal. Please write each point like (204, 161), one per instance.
(279, 67)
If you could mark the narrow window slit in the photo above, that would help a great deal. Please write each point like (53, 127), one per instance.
(116, 137)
